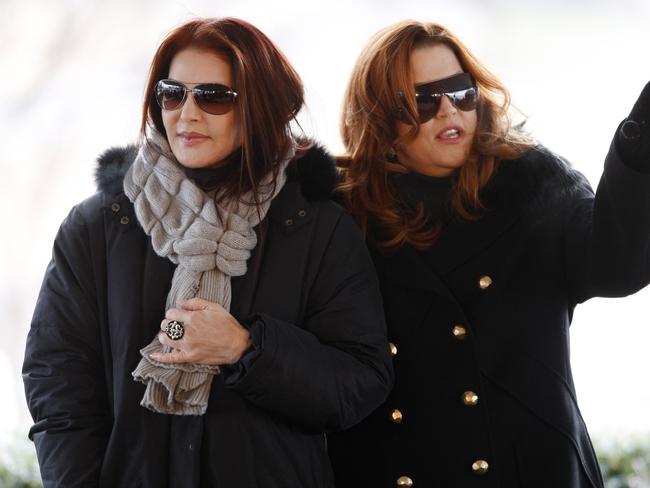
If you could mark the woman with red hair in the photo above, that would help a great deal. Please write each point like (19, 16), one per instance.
(209, 314)
(484, 242)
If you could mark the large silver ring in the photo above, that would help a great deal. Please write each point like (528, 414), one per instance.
(174, 330)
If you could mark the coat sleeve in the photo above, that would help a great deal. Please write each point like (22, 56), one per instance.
(62, 370)
(333, 370)
(607, 251)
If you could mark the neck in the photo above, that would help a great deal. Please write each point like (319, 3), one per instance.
(209, 178)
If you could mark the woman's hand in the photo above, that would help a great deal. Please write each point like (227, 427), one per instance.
(212, 335)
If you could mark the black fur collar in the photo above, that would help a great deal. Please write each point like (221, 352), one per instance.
(538, 173)
(536, 177)
(315, 170)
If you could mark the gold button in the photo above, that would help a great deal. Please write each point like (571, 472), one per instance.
(459, 332)
(484, 282)
(396, 416)
(470, 398)
(480, 466)
(288, 222)
(404, 481)
(124, 220)
(302, 213)
(393, 349)
(115, 207)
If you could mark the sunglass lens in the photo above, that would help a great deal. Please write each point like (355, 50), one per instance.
(465, 100)
(214, 99)
(169, 95)
(427, 105)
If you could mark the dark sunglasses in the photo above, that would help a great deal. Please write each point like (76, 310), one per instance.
(460, 89)
(212, 98)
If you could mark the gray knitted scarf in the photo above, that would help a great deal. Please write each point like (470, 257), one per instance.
(184, 227)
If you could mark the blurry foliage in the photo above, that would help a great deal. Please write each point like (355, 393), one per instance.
(18, 464)
(625, 463)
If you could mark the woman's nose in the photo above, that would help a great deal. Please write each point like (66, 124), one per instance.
(190, 110)
(447, 109)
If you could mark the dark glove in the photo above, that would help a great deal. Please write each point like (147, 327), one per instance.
(632, 139)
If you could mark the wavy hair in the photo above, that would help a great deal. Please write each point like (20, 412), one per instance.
(368, 129)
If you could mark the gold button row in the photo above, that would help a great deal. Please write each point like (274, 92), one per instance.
(458, 331)
(480, 466)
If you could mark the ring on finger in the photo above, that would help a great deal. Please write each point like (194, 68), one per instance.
(174, 330)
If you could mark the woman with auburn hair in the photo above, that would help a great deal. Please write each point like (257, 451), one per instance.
(209, 314)
(484, 242)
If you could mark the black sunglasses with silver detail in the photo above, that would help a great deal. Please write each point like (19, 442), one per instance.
(460, 89)
(213, 98)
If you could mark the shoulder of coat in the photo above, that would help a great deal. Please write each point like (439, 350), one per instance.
(537, 173)
(111, 167)
(315, 169)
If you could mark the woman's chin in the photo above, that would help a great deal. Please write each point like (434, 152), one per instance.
(190, 158)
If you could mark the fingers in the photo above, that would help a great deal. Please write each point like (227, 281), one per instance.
(169, 357)
(178, 314)
(175, 356)
(195, 304)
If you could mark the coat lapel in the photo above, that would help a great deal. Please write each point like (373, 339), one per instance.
(461, 241)
(408, 269)
(505, 198)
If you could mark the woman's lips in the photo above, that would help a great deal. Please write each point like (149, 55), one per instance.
(451, 135)
(192, 138)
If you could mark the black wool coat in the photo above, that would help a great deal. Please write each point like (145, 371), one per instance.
(324, 364)
(479, 325)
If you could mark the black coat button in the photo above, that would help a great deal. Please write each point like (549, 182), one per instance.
(631, 130)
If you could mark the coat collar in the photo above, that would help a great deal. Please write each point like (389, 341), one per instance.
(518, 186)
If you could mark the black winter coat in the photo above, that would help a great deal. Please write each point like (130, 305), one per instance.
(324, 364)
(484, 395)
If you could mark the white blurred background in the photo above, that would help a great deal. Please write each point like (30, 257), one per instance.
(72, 77)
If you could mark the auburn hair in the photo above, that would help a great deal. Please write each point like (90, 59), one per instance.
(368, 128)
(270, 95)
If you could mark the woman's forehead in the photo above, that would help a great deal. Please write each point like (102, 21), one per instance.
(191, 66)
(433, 62)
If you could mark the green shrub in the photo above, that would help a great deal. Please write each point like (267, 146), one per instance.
(625, 461)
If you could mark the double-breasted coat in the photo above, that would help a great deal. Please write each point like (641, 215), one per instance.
(479, 326)
(322, 364)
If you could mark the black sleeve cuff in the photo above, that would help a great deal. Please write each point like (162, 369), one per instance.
(233, 373)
